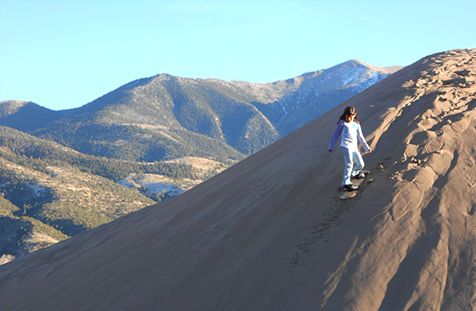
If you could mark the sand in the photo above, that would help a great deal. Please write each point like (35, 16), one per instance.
(270, 233)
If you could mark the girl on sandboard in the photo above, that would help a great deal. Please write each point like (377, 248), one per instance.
(349, 128)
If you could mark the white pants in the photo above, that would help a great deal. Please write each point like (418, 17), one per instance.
(353, 164)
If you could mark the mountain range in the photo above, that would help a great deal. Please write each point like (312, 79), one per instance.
(166, 117)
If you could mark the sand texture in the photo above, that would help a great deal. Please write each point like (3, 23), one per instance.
(270, 233)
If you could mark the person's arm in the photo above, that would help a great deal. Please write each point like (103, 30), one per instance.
(361, 139)
(334, 137)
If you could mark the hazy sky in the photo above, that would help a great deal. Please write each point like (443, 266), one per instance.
(64, 53)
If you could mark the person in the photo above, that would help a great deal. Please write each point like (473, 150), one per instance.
(349, 128)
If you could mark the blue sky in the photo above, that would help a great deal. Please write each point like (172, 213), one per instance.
(63, 54)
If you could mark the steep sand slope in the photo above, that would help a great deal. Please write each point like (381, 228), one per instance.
(270, 234)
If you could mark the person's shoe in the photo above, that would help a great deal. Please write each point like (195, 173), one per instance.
(361, 174)
(350, 187)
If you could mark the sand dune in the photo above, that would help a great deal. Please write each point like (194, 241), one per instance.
(271, 234)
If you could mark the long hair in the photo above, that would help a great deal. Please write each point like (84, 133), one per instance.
(350, 110)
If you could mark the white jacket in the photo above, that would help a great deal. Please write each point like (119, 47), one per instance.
(351, 134)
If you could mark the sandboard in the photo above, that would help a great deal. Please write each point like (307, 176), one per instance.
(345, 195)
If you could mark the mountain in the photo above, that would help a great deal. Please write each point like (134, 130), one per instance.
(49, 192)
(320, 91)
(165, 117)
(269, 233)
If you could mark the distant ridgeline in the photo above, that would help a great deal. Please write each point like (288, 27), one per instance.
(166, 117)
